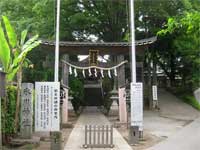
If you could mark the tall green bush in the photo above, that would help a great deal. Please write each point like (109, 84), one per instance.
(77, 92)
(107, 88)
(8, 125)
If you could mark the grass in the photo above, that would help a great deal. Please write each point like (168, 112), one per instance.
(186, 96)
(192, 101)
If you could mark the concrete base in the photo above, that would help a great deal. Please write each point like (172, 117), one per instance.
(67, 125)
(56, 140)
(20, 142)
(44, 136)
(134, 135)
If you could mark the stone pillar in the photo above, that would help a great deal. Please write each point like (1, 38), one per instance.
(65, 83)
(122, 105)
(122, 97)
(26, 110)
(65, 71)
(121, 72)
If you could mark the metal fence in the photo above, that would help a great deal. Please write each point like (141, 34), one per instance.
(100, 136)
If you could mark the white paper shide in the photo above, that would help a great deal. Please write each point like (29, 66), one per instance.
(47, 106)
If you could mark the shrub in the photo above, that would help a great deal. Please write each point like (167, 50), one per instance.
(77, 92)
(107, 87)
(192, 101)
(8, 126)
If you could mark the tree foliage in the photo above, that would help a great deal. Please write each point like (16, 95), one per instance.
(107, 20)
(185, 29)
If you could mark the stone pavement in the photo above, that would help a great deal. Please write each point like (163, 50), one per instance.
(185, 139)
(92, 115)
(177, 112)
(172, 107)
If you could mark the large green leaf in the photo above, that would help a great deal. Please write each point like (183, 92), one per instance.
(24, 52)
(16, 63)
(12, 37)
(4, 50)
(29, 42)
(11, 75)
(23, 36)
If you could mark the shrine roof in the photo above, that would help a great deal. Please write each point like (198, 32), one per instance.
(103, 47)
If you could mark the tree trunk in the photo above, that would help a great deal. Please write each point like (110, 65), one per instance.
(155, 81)
(173, 71)
(19, 82)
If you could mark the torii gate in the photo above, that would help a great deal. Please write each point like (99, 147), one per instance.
(117, 50)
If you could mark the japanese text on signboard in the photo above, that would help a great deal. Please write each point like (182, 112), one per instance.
(47, 106)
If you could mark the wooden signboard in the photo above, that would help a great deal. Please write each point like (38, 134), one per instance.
(93, 57)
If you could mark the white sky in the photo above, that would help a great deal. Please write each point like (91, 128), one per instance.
(105, 57)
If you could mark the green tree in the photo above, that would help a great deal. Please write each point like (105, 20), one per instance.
(185, 29)
(13, 53)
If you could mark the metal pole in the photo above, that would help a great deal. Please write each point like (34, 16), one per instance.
(56, 136)
(133, 56)
(56, 71)
(134, 130)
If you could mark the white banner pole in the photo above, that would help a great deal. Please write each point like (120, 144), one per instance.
(133, 56)
(136, 95)
(54, 144)
(56, 71)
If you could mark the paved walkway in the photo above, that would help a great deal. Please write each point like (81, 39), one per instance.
(185, 139)
(172, 107)
(92, 116)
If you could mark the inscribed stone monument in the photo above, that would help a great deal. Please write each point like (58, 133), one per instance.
(26, 110)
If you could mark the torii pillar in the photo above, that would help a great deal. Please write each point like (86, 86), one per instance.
(65, 84)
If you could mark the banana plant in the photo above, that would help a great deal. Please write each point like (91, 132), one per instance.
(13, 52)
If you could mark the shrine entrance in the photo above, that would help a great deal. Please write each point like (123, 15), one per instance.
(93, 93)
(93, 71)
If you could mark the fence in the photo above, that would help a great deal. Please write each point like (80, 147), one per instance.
(100, 136)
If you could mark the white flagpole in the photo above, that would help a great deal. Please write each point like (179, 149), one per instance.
(56, 71)
(56, 136)
(134, 128)
(133, 56)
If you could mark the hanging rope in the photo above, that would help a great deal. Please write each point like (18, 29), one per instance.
(95, 67)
